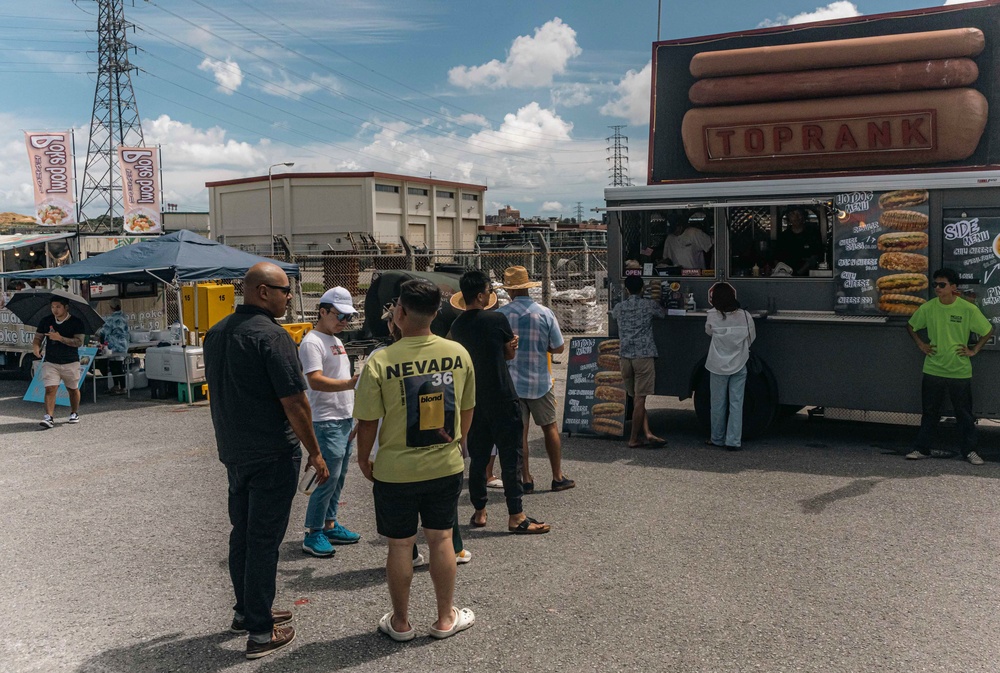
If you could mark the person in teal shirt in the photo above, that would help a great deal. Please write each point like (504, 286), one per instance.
(948, 320)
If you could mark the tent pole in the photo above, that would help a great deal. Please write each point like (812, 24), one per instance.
(187, 377)
(197, 334)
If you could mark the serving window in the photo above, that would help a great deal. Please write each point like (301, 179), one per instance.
(776, 241)
(673, 242)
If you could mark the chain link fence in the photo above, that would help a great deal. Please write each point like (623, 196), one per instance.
(573, 280)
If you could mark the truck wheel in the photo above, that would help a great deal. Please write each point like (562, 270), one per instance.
(24, 371)
(760, 403)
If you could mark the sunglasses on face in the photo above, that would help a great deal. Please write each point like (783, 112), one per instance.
(287, 289)
(941, 285)
(342, 316)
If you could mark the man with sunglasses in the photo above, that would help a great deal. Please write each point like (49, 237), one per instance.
(948, 320)
(260, 413)
(331, 396)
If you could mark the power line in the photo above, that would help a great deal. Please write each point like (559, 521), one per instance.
(619, 157)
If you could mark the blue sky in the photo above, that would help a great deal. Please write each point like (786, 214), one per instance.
(513, 94)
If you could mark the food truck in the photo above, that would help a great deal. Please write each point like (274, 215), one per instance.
(825, 170)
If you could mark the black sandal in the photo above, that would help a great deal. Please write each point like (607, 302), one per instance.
(476, 524)
(527, 487)
(524, 528)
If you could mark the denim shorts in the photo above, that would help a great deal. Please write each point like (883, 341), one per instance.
(434, 502)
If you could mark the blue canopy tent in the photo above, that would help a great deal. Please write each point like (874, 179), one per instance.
(173, 259)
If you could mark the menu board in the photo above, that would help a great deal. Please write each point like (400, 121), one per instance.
(972, 249)
(595, 393)
(880, 252)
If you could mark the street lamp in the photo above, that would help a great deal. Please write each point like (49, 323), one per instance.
(270, 206)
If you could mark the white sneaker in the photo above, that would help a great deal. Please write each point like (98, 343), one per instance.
(47, 422)
(419, 561)
(916, 455)
(74, 418)
(974, 458)
(463, 556)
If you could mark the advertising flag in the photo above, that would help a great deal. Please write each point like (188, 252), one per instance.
(140, 169)
(51, 157)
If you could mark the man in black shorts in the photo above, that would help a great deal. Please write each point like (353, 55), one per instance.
(491, 343)
(64, 334)
(424, 389)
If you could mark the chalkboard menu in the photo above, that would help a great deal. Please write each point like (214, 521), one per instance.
(880, 252)
(595, 393)
(972, 249)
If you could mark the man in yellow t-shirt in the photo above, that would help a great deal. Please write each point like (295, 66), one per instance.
(947, 366)
(424, 389)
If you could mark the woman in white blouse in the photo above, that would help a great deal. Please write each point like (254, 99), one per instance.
(732, 332)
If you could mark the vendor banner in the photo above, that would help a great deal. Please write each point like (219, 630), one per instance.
(51, 157)
(140, 169)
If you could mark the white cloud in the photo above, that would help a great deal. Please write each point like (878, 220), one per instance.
(839, 9)
(633, 92)
(471, 119)
(571, 95)
(531, 61)
(532, 127)
(227, 74)
(189, 147)
(295, 89)
(552, 207)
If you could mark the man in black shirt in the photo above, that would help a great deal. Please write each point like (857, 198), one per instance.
(491, 343)
(260, 413)
(800, 246)
(64, 335)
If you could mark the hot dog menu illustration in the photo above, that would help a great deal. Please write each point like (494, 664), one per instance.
(595, 392)
(972, 250)
(880, 252)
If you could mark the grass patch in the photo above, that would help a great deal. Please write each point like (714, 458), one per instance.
(312, 287)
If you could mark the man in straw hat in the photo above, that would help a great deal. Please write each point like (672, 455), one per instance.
(491, 343)
(539, 334)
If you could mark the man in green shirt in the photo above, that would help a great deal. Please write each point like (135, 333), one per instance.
(947, 366)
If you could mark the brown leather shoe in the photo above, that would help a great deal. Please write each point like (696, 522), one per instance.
(280, 637)
(280, 617)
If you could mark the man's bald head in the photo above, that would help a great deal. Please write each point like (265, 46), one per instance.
(263, 287)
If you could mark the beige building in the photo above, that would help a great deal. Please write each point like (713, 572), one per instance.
(316, 211)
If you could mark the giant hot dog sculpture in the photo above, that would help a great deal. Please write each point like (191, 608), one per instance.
(879, 101)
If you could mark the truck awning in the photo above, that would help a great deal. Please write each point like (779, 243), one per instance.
(735, 203)
(11, 241)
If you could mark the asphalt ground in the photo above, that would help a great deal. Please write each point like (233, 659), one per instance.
(816, 549)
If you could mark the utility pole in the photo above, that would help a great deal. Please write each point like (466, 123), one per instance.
(114, 122)
(618, 148)
(579, 212)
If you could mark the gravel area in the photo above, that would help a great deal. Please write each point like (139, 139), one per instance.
(816, 549)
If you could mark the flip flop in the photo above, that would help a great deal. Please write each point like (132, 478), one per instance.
(495, 482)
(476, 524)
(464, 618)
(527, 487)
(385, 626)
(525, 527)
(656, 444)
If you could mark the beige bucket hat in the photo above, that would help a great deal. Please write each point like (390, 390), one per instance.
(516, 278)
(457, 300)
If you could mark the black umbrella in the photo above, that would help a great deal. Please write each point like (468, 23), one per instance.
(31, 305)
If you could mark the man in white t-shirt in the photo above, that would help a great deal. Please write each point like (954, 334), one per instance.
(687, 244)
(331, 396)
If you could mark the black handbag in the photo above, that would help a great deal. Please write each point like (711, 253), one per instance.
(755, 365)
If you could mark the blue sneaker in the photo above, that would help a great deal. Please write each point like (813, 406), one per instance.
(340, 535)
(316, 544)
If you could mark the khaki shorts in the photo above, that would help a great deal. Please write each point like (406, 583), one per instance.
(68, 373)
(543, 409)
(639, 375)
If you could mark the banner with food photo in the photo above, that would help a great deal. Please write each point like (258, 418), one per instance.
(595, 392)
(880, 252)
(140, 169)
(52, 177)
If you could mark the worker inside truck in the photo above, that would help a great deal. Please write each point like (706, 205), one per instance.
(779, 241)
(687, 245)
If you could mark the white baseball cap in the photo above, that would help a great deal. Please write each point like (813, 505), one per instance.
(340, 298)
